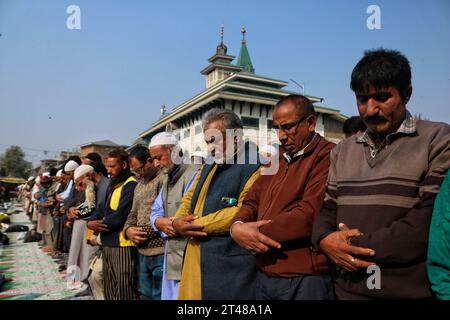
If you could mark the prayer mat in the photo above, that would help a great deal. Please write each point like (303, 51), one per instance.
(31, 274)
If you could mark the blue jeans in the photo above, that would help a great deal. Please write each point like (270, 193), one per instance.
(150, 276)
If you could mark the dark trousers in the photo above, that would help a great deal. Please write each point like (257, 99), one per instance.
(297, 288)
(55, 229)
(66, 235)
(120, 273)
(59, 235)
(150, 276)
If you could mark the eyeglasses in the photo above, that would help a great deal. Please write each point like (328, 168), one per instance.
(287, 127)
(138, 171)
(142, 168)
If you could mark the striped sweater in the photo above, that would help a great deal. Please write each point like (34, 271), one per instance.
(389, 195)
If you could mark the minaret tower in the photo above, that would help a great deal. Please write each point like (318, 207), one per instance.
(244, 60)
(220, 67)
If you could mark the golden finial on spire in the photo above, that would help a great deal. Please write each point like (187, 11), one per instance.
(221, 32)
(243, 30)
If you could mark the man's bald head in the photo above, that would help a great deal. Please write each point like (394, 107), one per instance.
(301, 103)
(295, 119)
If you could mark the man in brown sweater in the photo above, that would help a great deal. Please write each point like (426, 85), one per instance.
(381, 188)
(276, 218)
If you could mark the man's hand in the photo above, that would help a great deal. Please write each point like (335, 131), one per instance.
(247, 235)
(136, 235)
(72, 213)
(98, 226)
(165, 225)
(60, 198)
(51, 200)
(68, 224)
(338, 248)
(93, 242)
(186, 228)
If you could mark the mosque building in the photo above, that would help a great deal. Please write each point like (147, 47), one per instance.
(236, 87)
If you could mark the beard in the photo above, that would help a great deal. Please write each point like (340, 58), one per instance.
(168, 169)
(121, 177)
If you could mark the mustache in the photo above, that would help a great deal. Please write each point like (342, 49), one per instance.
(375, 119)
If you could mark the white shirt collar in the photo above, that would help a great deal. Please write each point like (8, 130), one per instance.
(299, 153)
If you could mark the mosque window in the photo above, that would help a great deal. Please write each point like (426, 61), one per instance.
(198, 129)
(249, 122)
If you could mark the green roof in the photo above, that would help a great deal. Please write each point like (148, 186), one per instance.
(244, 60)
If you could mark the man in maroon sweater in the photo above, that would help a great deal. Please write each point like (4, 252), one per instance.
(276, 219)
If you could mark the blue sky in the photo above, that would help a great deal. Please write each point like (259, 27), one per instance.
(109, 79)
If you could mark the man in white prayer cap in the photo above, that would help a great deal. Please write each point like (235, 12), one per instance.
(81, 253)
(70, 198)
(198, 157)
(71, 166)
(167, 155)
(81, 171)
(69, 170)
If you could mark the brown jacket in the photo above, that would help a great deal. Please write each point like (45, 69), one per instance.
(292, 199)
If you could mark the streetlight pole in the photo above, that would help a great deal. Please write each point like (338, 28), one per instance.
(302, 85)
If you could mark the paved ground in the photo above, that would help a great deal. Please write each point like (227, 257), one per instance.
(33, 274)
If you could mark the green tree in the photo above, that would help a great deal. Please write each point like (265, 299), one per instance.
(14, 164)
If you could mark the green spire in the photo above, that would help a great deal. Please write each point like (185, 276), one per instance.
(244, 60)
